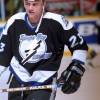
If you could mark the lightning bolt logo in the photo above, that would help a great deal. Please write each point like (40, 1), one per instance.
(32, 48)
(30, 52)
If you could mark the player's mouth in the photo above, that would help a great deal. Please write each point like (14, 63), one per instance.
(31, 12)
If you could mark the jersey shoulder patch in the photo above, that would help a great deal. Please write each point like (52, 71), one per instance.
(60, 19)
(20, 15)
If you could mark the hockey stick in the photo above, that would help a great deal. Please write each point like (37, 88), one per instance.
(52, 87)
(26, 88)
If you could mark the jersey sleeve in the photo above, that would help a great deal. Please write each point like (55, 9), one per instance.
(75, 42)
(5, 46)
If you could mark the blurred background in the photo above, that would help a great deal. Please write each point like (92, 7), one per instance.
(64, 7)
(85, 15)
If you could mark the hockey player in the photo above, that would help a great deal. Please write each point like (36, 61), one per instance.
(32, 45)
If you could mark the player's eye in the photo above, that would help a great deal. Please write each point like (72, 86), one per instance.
(34, 4)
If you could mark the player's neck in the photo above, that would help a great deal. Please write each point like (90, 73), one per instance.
(31, 23)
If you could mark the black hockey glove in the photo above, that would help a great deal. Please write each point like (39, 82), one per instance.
(71, 77)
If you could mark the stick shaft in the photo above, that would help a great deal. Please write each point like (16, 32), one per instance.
(26, 88)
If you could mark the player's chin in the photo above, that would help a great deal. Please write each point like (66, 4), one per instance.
(32, 16)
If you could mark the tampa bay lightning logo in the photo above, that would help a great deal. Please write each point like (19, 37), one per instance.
(32, 48)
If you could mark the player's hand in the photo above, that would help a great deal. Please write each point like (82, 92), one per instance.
(71, 77)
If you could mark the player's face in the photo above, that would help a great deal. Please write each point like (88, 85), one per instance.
(34, 9)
